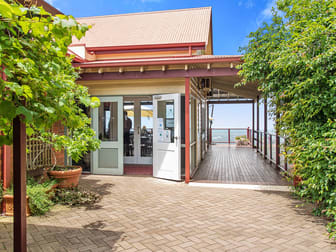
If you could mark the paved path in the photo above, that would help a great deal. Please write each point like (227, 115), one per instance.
(147, 214)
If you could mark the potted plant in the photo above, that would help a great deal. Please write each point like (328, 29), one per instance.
(68, 176)
(77, 146)
(38, 198)
(238, 140)
(241, 141)
(8, 200)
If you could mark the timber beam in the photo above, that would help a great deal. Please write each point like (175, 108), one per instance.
(226, 71)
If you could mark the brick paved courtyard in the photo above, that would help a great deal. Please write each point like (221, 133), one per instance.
(147, 214)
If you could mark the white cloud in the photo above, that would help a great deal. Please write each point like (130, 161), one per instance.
(50, 1)
(266, 14)
(246, 3)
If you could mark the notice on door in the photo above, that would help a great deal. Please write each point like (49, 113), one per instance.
(166, 136)
(160, 123)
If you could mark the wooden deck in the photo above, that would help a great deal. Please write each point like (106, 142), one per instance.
(237, 165)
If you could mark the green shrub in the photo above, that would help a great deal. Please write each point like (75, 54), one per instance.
(293, 60)
(39, 196)
(75, 197)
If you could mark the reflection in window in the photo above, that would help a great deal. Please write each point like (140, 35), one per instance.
(108, 121)
(146, 129)
(128, 129)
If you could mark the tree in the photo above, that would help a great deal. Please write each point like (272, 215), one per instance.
(40, 80)
(293, 59)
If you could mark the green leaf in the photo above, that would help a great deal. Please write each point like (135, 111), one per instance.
(5, 9)
(7, 109)
(27, 91)
(95, 102)
(5, 140)
(25, 26)
(24, 111)
(29, 131)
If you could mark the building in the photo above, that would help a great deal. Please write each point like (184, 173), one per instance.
(159, 68)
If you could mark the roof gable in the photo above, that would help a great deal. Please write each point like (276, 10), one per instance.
(148, 28)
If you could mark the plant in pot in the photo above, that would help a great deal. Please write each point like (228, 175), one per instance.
(238, 140)
(241, 140)
(38, 198)
(68, 175)
(76, 146)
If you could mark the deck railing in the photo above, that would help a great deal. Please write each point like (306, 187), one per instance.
(272, 147)
(269, 145)
(228, 135)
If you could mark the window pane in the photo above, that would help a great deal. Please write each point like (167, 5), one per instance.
(166, 121)
(129, 129)
(146, 129)
(108, 121)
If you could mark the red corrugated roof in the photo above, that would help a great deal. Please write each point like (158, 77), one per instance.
(148, 28)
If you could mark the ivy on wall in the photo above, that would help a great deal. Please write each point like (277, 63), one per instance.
(40, 80)
(293, 58)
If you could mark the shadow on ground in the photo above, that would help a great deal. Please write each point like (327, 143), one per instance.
(51, 238)
(96, 185)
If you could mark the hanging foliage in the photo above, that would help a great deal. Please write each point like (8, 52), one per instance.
(40, 80)
(293, 59)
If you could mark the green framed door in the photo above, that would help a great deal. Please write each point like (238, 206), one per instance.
(108, 125)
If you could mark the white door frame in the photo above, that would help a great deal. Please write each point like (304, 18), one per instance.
(167, 155)
(137, 158)
(119, 144)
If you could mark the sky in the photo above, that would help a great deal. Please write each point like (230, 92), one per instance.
(232, 21)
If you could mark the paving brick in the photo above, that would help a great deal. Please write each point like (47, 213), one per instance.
(147, 214)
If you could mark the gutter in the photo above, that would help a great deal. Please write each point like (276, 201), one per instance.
(137, 47)
(158, 62)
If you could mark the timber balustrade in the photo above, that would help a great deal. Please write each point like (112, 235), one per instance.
(275, 146)
(269, 145)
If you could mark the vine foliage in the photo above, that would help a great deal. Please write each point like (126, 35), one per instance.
(293, 58)
(40, 80)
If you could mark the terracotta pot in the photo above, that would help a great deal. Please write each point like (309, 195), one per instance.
(9, 205)
(68, 178)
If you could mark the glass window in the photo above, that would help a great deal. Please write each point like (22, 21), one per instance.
(108, 121)
(129, 129)
(166, 121)
(146, 129)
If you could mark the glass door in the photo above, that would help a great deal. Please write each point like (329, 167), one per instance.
(108, 124)
(167, 136)
(129, 133)
(146, 132)
(138, 130)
